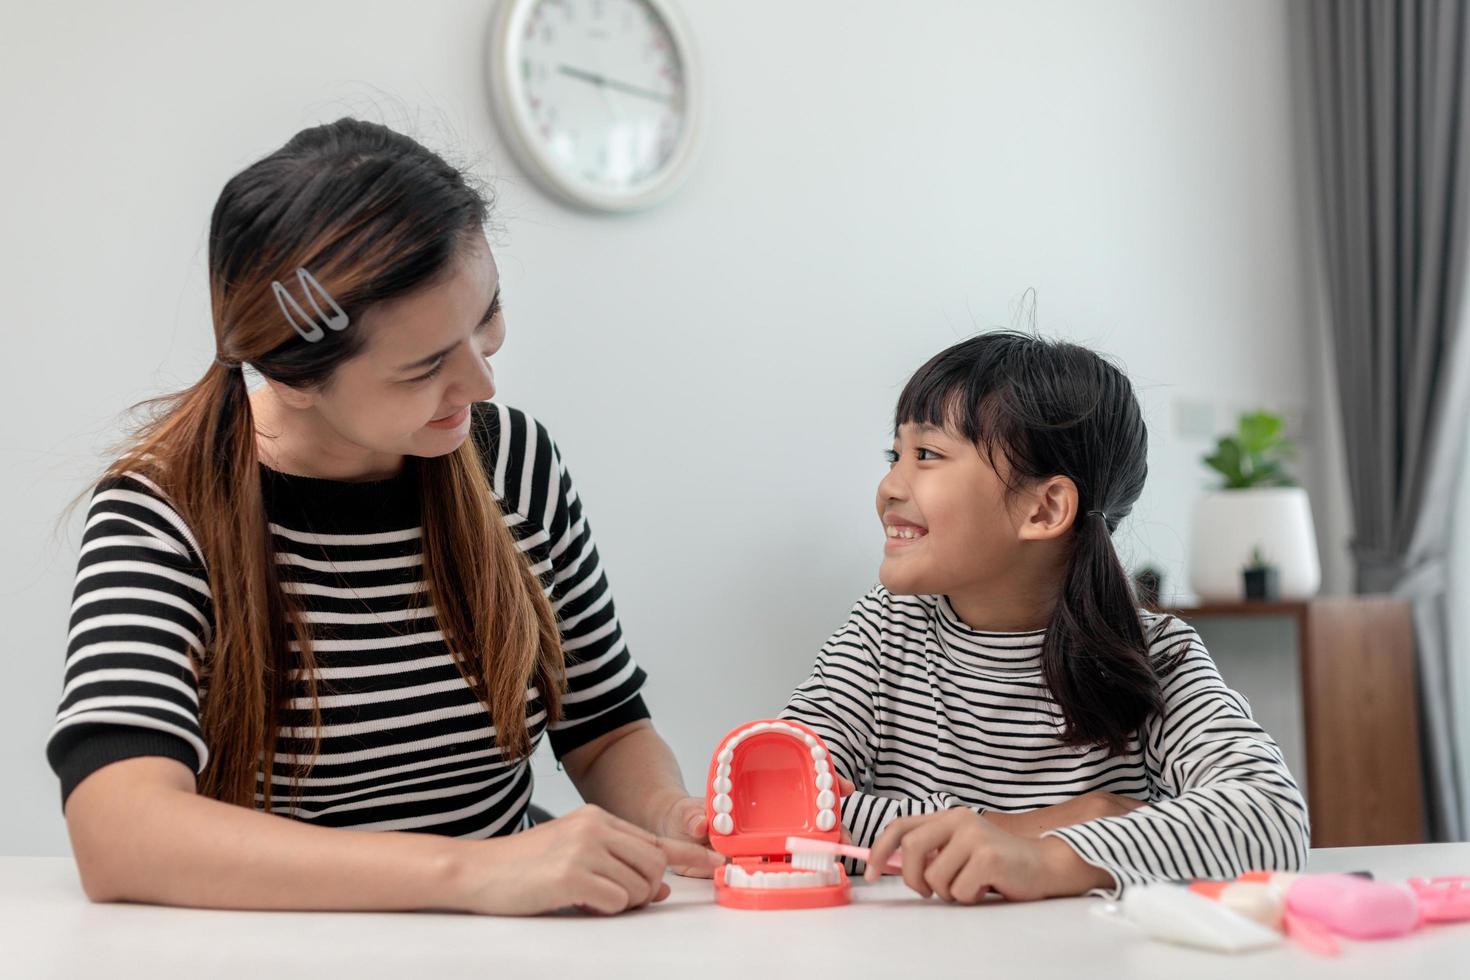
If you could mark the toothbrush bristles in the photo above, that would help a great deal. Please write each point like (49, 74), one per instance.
(812, 862)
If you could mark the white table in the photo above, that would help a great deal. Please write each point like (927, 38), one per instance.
(49, 929)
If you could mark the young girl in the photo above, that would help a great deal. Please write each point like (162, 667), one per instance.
(1013, 722)
(356, 597)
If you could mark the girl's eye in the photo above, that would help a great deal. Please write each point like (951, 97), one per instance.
(932, 454)
(891, 456)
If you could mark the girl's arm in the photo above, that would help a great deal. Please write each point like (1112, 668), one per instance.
(1232, 805)
(870, 813)
(141, 834)
(837, 702)
(962, 857)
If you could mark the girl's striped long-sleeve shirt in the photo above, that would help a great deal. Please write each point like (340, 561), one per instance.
(405, 743)
(924, 713)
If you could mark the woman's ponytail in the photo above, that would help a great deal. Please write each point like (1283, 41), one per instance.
(199, 448)
(374, 216)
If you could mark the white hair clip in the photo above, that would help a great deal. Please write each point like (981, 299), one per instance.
(309, 329)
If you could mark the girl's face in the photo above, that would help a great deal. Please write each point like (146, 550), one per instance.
(408, 392)
(945, 513)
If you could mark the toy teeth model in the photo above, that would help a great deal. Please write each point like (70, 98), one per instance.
(770, 780)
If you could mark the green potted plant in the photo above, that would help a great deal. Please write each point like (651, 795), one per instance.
(1255, 505)
(1254, 455)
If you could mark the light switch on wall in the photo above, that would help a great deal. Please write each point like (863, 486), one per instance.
(1194, 418)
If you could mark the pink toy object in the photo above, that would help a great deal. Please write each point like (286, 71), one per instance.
(1352, 906)
(770, 780)
(1313, 909)
(1443, 899)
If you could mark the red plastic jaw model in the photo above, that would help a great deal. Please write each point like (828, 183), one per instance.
(770, 780)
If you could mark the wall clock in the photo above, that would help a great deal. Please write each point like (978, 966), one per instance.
(597, 99)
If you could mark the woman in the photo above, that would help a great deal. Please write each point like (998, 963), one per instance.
(363, 572)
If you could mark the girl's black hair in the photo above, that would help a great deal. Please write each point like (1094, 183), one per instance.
(1048, 408)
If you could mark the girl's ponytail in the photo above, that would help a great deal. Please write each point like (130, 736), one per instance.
(1095, 655)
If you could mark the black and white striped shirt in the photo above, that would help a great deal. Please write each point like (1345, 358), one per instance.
(924, 713)
(405, 743)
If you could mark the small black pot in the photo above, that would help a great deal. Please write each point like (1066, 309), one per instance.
(1262, 584)
(1147, 584)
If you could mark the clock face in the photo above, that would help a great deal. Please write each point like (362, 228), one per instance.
(596, 96)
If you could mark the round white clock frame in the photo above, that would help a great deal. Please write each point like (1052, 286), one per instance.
(598, 100)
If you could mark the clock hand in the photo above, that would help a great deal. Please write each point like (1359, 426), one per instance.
(602, 81)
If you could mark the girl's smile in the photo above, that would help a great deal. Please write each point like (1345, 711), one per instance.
(901, 534)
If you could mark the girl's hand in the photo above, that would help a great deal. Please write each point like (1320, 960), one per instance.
(961, 857)
(1088, 806)
(588, 859)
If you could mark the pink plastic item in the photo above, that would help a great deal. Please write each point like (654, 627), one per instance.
(1443, 899)
(1309, 935)
(1352, 906)
(769, 781)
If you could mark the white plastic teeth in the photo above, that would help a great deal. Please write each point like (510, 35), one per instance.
(821, 769)
(738, 877)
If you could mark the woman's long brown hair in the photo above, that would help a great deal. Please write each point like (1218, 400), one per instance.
(373, 215)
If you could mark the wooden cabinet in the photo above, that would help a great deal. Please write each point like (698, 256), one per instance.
(1338, 693)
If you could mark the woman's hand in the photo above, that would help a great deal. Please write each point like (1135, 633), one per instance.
(961, 857)
(683, 820)
(588, 859)
(1080, 809)
(845, 788)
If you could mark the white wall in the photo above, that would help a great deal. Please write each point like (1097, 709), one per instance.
(877, 181)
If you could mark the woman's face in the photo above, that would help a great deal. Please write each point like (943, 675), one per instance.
(425, 359)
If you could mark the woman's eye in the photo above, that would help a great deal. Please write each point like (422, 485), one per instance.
(431, 375)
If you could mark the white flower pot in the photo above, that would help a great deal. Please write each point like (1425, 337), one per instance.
(1230, 524)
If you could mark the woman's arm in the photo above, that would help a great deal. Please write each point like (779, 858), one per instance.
(604, 737)
(140, 833)
(631, 772)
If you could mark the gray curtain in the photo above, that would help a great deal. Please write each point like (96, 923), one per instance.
(1388, 98)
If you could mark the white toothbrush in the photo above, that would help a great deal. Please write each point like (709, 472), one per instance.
(816, 855)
